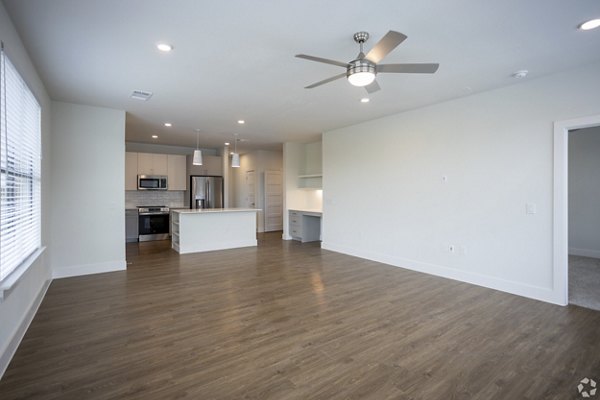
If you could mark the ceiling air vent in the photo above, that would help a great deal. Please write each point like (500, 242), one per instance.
(141, 95)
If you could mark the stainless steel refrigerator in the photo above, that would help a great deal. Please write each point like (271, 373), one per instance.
(206, 192)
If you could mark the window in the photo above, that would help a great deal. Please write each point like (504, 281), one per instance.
(20, 170)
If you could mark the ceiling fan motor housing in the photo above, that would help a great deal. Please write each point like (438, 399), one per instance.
(360, 72)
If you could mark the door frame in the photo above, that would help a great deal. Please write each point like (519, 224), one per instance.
(561, 203)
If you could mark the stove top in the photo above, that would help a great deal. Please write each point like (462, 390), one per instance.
(153, 209)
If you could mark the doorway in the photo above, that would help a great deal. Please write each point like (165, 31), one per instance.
(584, 217)
(251, 189)
(273, 201)
(562, 282)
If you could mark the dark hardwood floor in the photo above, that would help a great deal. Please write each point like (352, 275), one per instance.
(291, 321)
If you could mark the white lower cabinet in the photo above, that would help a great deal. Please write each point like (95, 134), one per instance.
(305, 226)
(131, 225)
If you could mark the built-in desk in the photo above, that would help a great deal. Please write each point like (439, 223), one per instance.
(305, 225)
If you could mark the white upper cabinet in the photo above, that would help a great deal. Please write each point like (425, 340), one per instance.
(131, 170)
(152, 164)
(211, 165)
(176, 166)
(172, 165)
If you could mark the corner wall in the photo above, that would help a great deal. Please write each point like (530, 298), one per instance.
(448, 193)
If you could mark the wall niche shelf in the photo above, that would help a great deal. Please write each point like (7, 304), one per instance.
(310, 181)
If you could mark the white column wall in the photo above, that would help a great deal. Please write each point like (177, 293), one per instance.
(88, 213)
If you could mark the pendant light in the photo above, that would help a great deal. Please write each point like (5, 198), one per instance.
(197, 153)
(235, 157)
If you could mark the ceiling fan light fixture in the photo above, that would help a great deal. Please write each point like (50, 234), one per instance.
(361, 72)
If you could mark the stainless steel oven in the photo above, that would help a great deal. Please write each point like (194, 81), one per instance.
(153, 223)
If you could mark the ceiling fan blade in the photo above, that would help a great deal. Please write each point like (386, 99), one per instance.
(373, 87)
(322, 60)
(333, 78)
(385, 45)
(408, 68)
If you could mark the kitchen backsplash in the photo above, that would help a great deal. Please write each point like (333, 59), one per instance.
(171, 199)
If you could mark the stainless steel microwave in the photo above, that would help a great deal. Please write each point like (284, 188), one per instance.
(152, 182)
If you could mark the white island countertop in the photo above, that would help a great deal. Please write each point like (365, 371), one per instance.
(213, 210)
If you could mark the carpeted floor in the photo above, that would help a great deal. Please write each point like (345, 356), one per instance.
(584, 282)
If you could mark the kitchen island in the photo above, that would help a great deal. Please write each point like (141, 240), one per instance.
(213, 229)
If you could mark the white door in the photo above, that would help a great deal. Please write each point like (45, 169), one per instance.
(273, 201)
(251, 187)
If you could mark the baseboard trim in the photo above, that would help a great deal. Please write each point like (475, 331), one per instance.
(17, 337)
(584, 252)
(88, 269)
(533, 292)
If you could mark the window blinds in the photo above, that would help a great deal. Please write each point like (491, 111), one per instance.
(20, 170)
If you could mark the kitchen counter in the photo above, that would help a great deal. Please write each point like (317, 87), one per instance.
(213, 229)
(309, 211)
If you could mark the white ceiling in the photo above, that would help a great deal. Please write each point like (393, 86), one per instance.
(235, 59)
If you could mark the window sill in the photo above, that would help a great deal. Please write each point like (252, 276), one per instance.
(14, 277)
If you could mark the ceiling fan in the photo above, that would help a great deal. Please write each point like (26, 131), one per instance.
(362, 70)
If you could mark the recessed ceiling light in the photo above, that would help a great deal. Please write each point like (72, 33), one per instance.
(168, 124)
(226, 143)
(591, 24)
(154, 136)
(241, 121)
(365, 100)
(164, 47)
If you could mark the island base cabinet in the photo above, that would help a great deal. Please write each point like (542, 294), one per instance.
(175, 231)
(207, 231)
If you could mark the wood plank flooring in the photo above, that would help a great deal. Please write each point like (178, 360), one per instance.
(292, 321)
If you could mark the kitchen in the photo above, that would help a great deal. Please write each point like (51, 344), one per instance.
(164, 188)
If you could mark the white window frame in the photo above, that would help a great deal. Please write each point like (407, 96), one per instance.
(20, 175)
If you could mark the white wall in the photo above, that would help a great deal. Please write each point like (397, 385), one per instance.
(258, 161)
(584, 192)
(20, 304)
(495, 148)
(88, 213)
